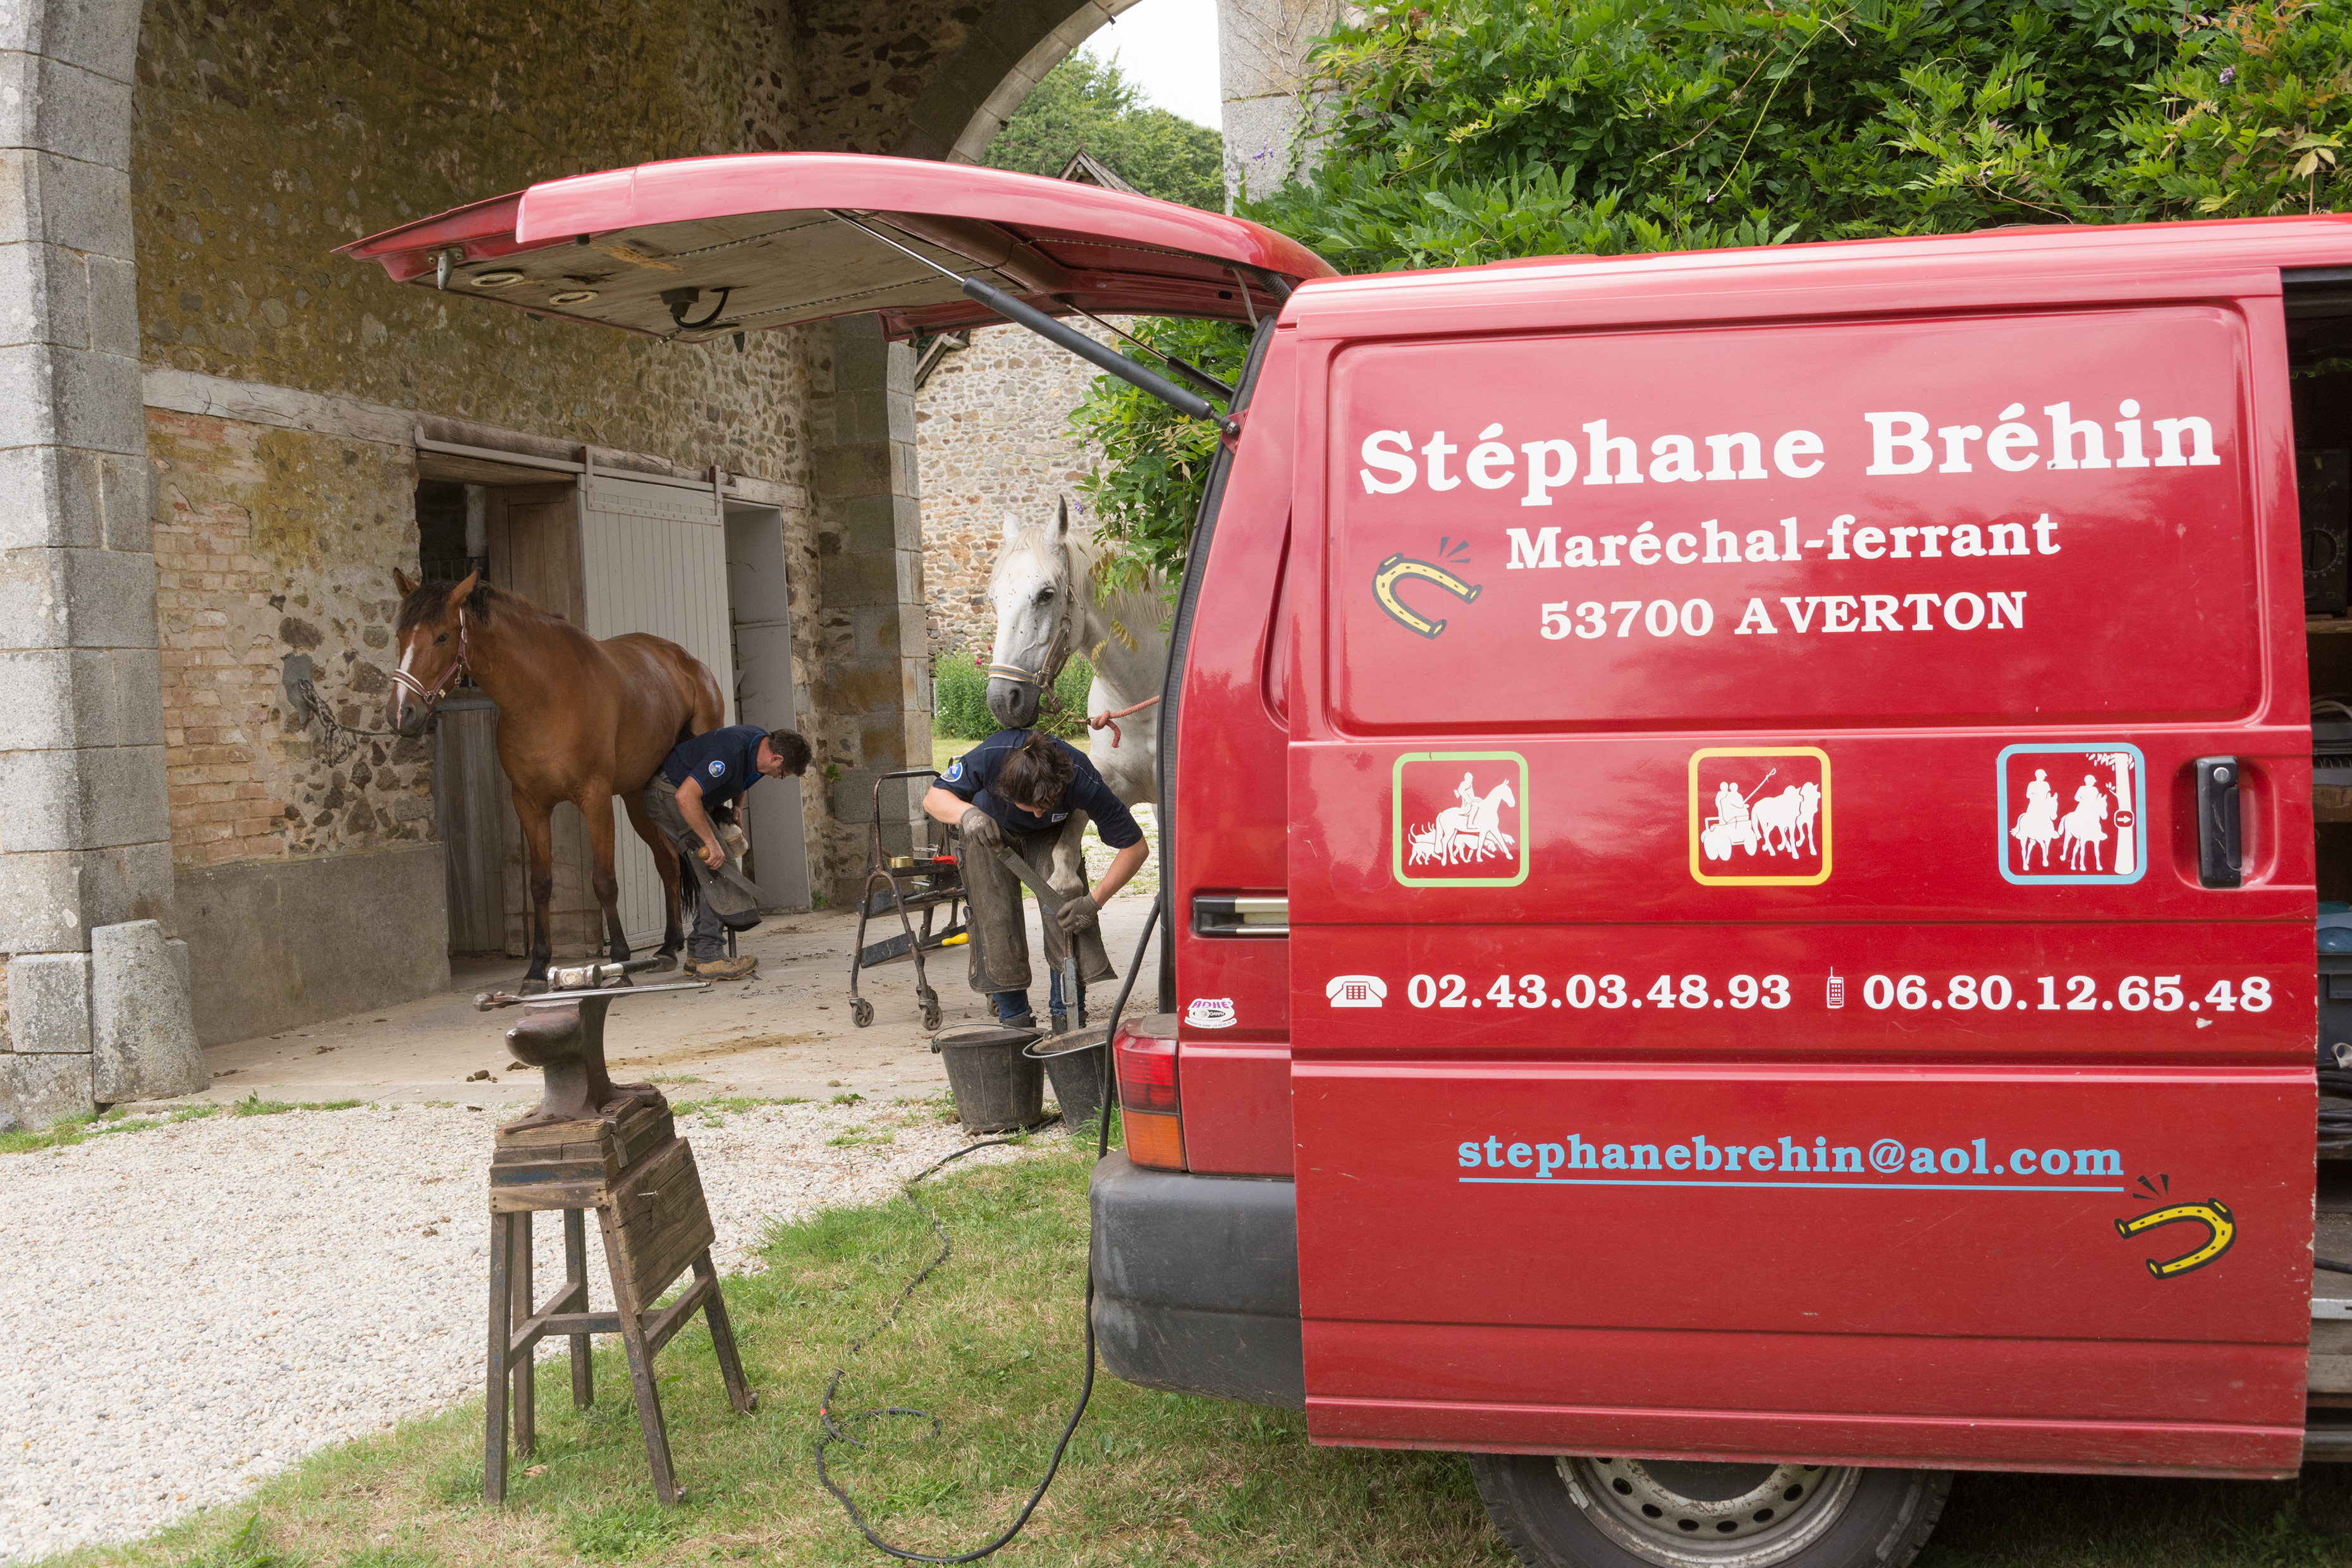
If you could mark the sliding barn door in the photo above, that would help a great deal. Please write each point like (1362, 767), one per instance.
(655, 560)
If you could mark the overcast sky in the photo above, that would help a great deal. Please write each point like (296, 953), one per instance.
(1168, 47)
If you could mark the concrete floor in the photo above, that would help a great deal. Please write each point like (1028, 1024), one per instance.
(787, 1031)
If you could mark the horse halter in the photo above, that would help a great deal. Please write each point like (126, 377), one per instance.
(428, 697)
(1057, 652)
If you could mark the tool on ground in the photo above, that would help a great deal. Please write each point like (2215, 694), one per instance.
(923, 885)
(613, 1148)
(832, 1425)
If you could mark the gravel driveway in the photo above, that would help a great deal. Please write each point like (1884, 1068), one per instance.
(198, 1305)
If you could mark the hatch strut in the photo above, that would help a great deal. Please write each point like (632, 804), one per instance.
(1189, 404)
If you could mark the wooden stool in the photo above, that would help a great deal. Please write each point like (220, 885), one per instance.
(631, 1167)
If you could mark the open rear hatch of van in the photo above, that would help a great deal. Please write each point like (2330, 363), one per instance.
(705, 247)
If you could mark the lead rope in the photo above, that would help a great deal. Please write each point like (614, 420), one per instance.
(833, 1429)
(342, 741)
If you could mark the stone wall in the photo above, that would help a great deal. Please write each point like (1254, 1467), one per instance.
(270, 542)
(269, 134)
(991, 431)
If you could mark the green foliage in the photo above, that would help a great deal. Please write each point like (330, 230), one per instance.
(1464, 131)
(1145, 497)
(959, 699)
(2251, 119)
(1640, 125)
(1089, 103)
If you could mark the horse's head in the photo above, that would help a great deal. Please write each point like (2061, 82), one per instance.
(431, 635)
(1037, 617)
(1502, 794)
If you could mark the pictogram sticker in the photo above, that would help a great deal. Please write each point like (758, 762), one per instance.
(2072, 814)
(1459, 819)
(1760, 816)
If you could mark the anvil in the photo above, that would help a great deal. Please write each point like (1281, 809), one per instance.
(563, 1037)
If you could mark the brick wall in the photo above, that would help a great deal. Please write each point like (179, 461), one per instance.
(268, 543)
(992, 437)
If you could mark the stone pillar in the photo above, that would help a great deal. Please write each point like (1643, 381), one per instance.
(873, 689)
(84, 838)
(1261, 57)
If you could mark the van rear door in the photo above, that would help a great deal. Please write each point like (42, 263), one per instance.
(1748, 730)
(705, 247)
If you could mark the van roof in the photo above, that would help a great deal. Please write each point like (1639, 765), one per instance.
(2052, 263)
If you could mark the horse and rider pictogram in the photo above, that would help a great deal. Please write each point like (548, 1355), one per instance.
(2072, 814)
(1460, 819)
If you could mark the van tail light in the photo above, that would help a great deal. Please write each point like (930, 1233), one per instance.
(1147, 1100)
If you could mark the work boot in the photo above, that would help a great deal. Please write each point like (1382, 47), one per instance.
(740, 967)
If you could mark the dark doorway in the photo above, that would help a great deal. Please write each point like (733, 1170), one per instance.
(452, 529)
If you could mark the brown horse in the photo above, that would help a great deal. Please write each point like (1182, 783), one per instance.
(579, 720)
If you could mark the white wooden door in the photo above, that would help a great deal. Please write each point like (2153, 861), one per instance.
(655, 560)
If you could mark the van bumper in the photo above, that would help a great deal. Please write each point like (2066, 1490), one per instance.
(1196, 1283)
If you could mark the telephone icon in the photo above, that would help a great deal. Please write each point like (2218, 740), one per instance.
(1356, 991)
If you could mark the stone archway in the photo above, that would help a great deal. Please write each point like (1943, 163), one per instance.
(82, 764)
(1006, 53)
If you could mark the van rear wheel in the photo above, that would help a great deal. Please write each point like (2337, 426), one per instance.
(1579, 1513)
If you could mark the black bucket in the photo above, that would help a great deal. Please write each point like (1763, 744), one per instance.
(996, 1088)
(1079, 1065)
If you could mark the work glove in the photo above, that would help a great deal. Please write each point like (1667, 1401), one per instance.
(981, 831)
(1080, 913)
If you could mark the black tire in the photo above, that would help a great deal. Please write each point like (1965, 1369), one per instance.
(861, 1011)
(1623, 1513)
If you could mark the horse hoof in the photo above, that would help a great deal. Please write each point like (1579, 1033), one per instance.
(668, 962)
(532, 988)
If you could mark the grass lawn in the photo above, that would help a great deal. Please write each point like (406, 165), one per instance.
(989, 1345)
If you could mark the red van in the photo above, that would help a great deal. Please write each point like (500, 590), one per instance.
(1741, 848)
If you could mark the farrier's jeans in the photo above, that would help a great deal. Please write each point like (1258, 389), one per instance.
(713, 897)
(1000, 937)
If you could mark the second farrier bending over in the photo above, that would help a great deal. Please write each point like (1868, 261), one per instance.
(1025, 790)
(698, 777)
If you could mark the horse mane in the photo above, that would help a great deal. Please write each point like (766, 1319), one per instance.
(423, 607)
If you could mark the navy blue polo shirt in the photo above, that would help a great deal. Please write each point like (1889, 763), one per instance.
(726, 761)
(970, 776)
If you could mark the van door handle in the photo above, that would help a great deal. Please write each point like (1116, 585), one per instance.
(2219, 847)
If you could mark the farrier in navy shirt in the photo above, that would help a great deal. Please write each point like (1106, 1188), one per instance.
(726, 761)
(970, 776)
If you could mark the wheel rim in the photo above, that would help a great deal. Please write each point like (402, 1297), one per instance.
(1683, 1515)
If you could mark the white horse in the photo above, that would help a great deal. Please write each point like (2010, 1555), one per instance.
(1466, 832)
(1046, 610)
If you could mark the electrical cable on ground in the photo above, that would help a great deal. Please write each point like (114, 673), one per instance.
(833, 1428)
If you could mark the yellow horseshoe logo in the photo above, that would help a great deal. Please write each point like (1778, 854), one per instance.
(2213, 1215)
(1384, 588)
